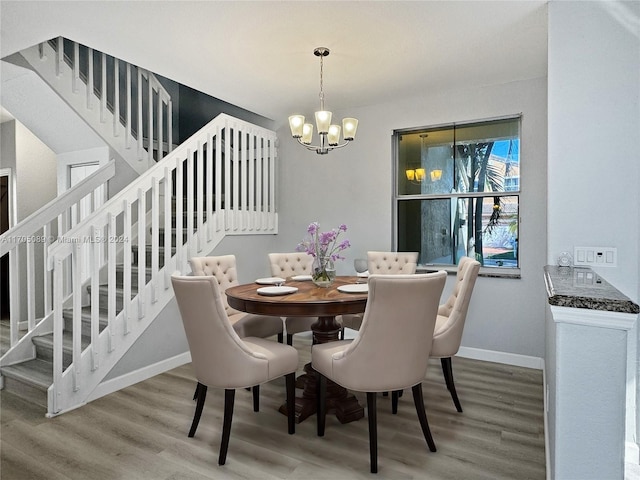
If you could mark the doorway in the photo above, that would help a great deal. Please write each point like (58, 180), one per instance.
(4, 261)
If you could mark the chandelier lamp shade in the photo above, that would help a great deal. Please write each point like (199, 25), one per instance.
(329, 133)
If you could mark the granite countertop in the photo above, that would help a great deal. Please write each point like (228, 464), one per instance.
(581, 287)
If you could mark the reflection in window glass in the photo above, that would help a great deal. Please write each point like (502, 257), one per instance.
(457, 192)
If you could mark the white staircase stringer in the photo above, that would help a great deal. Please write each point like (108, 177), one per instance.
(25, 349)
(75, 392)
(58, 75)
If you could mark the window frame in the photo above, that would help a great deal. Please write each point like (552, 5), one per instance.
(495, 271)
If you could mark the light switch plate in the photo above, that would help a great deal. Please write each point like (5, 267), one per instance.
(595, 256)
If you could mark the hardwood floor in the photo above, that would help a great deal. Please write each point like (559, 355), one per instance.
(141, 433)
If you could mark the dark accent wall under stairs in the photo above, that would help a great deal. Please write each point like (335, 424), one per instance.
(197, 109)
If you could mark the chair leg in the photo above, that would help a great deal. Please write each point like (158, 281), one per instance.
(447, 370)
(256, 398)
(321, 412)
(290, 339)
(290, 380)
(394, 401)
(418, 399)
(200, 395)
(373, 430)
(195, 394)
(280, 338)
(229, 397)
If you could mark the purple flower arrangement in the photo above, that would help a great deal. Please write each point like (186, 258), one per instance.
(324, 244)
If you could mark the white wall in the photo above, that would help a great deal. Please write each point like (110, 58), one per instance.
(594, 133)
(354, 186)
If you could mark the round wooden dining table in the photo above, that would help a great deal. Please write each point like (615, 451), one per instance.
(309, 301)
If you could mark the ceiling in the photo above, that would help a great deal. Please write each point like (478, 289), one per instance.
(259, 54)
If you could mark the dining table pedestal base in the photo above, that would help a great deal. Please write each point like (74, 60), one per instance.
(344, 405)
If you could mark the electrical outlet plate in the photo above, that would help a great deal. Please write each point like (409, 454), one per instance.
(595, 256)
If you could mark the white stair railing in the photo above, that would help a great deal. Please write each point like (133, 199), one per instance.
(220, 182)
(125, 104)
(27, 245)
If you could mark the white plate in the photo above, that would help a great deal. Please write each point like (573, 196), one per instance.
(269, 281)
(354, 288)
(301, 278)
(274, 291)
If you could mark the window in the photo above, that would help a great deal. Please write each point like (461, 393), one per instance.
(457, 192)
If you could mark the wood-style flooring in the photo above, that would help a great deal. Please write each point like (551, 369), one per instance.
(141, 433)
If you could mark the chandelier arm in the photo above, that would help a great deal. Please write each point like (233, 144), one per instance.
(333, 147)
(327, 148)
(308, 147)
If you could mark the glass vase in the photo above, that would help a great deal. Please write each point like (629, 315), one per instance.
(323, 271)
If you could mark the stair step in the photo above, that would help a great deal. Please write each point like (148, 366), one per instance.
(185, 217)
(29, 380)
(148, 249)
(134, 274)
(44, 347)
(103, 296)
(67, 315)
(161, 234)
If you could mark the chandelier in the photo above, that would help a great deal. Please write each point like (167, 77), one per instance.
(329, 134)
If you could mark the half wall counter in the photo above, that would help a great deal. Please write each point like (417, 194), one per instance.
(590, 366)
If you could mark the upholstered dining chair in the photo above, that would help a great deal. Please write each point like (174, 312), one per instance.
(383, 263)
(385, 355)
(450, 322)
(222, 359)
(287, 265)
(223, 268)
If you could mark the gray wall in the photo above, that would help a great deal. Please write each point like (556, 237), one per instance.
(33, 165)
(165, 337)
(594, 167)
(354, 186)
(594, 133)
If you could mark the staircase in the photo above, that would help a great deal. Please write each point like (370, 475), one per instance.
(126, 105)
(219, 182)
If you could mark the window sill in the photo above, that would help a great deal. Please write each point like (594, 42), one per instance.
(484, 271)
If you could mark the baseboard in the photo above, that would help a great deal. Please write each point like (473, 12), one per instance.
(139, 375)
(514, 359)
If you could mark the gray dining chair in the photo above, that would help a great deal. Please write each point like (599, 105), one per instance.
(222, 359)
(385, 356)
